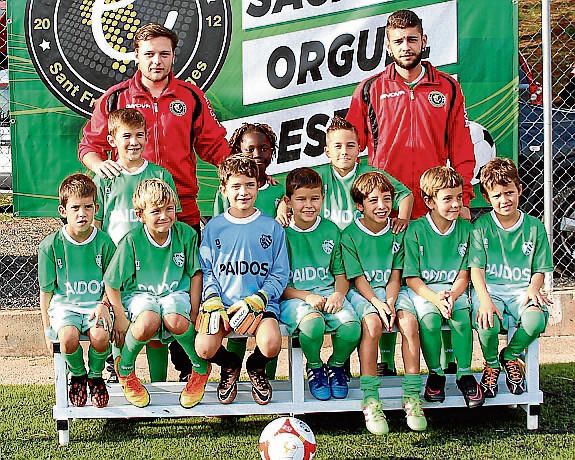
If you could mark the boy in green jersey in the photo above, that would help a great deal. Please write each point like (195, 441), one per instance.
(373, 258)
(315, 296)
(116, 214)
(509, 256)
(155, 273)
(71, 265)
(436, 271)
(342, 149)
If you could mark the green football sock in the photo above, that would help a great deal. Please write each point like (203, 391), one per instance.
(187, 341)
(344, 341)
(238, 346)
(96, 361)
(532, 324)
(75, 362)
(387, 349)
(311, 333)
(460, 325)
(271, 368)
(411, 385)
(489, 341)
(430, 335)
(369, 384)
(115, 351)
(157, 362)
(129, 353)
(447, 355)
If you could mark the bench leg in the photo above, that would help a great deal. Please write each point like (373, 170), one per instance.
(296, 370)
(532, 411)
(61, 387)
(63, 427)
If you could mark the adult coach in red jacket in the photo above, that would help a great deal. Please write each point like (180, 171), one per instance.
(411, 116)
(179, 118)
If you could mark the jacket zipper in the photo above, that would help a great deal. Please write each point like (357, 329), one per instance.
(156, 146)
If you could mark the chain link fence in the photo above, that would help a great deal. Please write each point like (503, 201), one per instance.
(19, 237)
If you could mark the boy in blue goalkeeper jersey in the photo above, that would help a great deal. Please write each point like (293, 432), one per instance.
(245, 269)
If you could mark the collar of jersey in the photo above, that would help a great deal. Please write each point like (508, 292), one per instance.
(73, 241)
(514, 227)
(434, 227)
(347, 176)
(364, 229)
(242, 220)
(151, 240)
(311, 229)
(411, 84)
(264, 187)
(137, 171)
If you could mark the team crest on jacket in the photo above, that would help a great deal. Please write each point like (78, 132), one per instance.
(527, 247)
(179, 259)
(327, 246)
(437, 99)
(99, 260)
(266, 241)
(178, 108)
(462, 249)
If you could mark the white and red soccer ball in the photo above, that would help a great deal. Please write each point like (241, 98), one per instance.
(287, 438)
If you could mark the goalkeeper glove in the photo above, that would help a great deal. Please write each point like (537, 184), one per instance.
(246, 314)
(212, 311)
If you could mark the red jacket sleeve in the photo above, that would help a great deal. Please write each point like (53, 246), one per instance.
(460, 148)
(210, 143)
(95, 131)
(357, 115)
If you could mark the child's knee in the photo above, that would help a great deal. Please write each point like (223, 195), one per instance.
(350, 331)
(533, 321)
(407, 325)
(312, 326)
(176, 324)
(99, 339)
(206, 346)
(371, 328)
(69, 338)
(431, 322)
(146, 325)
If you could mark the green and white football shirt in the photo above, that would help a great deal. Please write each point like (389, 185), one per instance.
(373, 255)
(338, 205)
(114, 197)
(73, 271)
(435, 257)
(315, 255)
(510, 256)
(267, 201)
(141, 265)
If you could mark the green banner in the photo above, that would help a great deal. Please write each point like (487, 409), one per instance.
(289, 63)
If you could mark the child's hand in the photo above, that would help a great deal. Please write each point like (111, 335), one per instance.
(48, 338)
(316, 301)
(386, 312)
(334, 303)
(108, 169)
(444, 303)
(102, 316)
(283, 214)
(485, 313)
(270, 180)
(465, 212)
(536, 296)
(121, 325)
(398, 225)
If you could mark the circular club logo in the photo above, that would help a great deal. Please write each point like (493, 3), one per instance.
(82, 47)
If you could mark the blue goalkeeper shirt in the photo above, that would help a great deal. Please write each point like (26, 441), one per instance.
(242, 256)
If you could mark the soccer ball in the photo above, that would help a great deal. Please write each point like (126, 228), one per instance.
(483, 146)
(287, 438)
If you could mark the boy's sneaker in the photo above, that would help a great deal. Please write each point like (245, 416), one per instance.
(318, 383)
(435, 388)
(337, 382)
(514, 374)
(261, 388)
(471, 391)
(228, 387)
(383, 370)
(451, 368)
(77, 392)
(98, 392)
(375, 420)
(414, 413)
(134, 391)
(489, 379)
(194, 388)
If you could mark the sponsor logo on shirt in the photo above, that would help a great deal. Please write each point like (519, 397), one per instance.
(377, 276)
(99, 260)
(266, 241)
(309, 274)
(139, 106)
(508, 273)
(84, 287)
(327, 246)
(179, 259)
(462, 249)
(394, 94)
(437, 99)
(439, 276)
(339, 216)
(123, 215)
(527, 247)
(242, 267)
(160, 288)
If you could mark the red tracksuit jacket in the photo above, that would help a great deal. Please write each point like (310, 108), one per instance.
(179, 122)
(409, 131)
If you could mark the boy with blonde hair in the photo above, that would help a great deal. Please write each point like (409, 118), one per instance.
(436, 271)
(509, 257)
(71, 265)
(155, 275)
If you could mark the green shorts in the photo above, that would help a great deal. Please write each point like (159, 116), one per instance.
(60, 317)
(404, 301)
(294, 310)
(423, 307)
(510, 304)
(177, 302)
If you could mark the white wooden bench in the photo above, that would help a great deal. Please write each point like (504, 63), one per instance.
(290, 396)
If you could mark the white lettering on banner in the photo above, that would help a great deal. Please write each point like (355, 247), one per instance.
(339, 54)
(84, 287)
(258, 13)
(508, 273)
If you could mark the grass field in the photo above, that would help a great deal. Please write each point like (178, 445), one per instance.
(28, 431)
